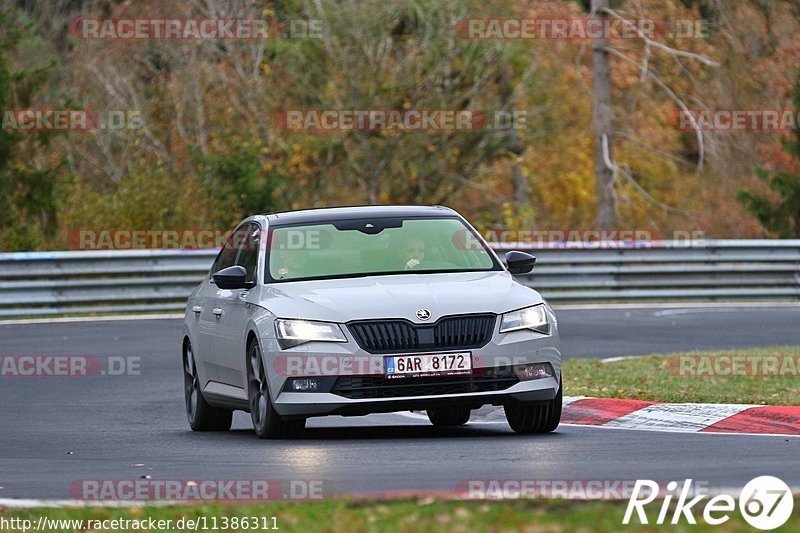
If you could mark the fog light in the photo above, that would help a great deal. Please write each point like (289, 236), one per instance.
(534, 371)
(304, 385)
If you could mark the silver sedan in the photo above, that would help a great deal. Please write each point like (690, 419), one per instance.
(358, 310)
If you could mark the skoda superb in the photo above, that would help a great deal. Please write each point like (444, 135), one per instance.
(358, 310)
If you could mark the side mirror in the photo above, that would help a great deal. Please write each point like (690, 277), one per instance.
(232, 277)
(520, 262)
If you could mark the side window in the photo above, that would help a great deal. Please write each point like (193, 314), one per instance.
(227, 256)
(248, 251)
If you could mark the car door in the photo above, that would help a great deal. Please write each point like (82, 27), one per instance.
(203, 329)
(210, 313)
(235, 311)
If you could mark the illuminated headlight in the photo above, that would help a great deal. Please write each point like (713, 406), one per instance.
(533, 318)
(294, 332)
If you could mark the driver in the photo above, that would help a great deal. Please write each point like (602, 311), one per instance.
(411, 252)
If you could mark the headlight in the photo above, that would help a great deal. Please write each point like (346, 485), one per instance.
(533, 318)
(294, 332)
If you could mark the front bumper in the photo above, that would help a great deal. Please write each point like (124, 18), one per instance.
(308, 404)
(502, 352)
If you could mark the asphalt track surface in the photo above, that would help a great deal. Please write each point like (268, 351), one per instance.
(55, 431)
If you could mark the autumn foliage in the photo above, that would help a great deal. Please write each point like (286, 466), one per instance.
(201, 149)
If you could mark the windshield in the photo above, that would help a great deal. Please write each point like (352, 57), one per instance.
(362, 247)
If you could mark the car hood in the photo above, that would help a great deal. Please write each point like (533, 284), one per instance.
(396, 296)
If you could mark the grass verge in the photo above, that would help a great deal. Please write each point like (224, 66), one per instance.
(752, 376)
(343, 516)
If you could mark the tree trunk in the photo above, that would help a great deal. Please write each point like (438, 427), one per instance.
(521, 194)
(602, 116)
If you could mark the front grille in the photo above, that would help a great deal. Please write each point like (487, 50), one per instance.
(388, 336)
(366, 387)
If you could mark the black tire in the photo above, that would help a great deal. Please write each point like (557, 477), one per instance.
(530, 418)
(267, 423)
(449, 416)
(201, 415)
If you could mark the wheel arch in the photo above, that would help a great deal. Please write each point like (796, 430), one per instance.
(251, 336)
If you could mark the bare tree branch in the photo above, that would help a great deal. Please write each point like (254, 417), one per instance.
(638, 188)
(655, 44)
(674, 97)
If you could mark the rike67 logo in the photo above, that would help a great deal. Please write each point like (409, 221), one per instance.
(765, 503)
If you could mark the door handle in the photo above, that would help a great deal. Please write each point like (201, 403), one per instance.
(217, 311)
(197, 309)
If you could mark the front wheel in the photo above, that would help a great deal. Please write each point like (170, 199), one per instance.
(528, 418)
(201, 415)
(449, 416)
(268, 424)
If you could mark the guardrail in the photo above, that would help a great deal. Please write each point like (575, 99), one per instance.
(50, 283)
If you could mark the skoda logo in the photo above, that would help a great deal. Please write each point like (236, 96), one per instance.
(423, 314)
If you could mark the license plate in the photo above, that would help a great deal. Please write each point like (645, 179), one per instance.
(419, 365)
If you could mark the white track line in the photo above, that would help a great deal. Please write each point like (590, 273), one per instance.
(120, 318)
(620, 358)
(28, 503)
(727, 309)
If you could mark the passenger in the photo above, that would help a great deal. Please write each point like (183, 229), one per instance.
(290, 264)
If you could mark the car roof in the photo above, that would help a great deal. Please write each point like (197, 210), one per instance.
(328, 214)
